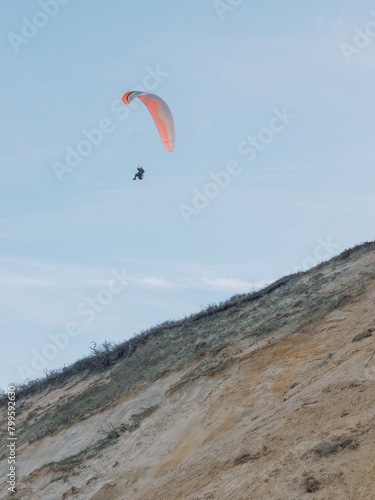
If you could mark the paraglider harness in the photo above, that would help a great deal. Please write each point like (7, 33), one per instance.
(140, 173)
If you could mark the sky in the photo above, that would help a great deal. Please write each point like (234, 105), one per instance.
(272, 171)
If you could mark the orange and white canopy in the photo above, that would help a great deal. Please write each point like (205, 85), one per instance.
(160, 112)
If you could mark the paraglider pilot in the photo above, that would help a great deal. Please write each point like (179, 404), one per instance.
(139, 174)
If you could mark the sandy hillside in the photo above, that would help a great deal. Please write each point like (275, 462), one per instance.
(270, 396)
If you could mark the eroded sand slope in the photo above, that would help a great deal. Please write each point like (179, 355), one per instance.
(284, 415)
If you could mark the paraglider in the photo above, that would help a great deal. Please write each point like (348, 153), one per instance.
(160, 112)
(140, 173)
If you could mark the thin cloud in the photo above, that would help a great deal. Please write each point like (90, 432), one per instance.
(152, 282)
(229, 285)
(41, 277)
(233, 285)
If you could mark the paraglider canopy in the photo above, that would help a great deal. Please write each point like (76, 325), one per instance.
(160, 112)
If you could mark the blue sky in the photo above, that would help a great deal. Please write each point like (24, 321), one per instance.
(289, 82)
